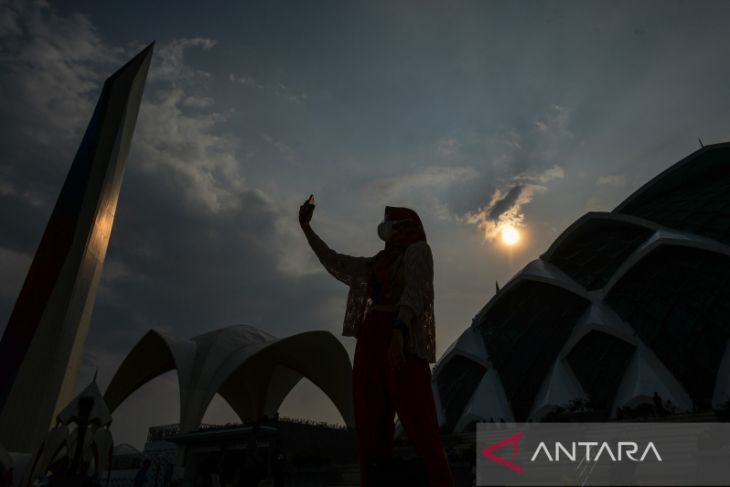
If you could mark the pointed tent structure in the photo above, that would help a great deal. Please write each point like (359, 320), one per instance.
(82, 429)
(41, 348)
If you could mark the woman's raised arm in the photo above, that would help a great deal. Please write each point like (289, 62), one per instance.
(344, 268)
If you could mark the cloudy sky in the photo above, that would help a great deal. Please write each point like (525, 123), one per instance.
(475, 114)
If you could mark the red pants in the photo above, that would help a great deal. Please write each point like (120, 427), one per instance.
(379, 392)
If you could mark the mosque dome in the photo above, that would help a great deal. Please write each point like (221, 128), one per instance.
(623, 307)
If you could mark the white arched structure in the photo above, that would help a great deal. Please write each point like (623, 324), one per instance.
(251, 369)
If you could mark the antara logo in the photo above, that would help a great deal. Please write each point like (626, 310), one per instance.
(618, 452)
(488, 452)
(621, 450)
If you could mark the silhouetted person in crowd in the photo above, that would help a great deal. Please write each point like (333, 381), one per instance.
(390, 312)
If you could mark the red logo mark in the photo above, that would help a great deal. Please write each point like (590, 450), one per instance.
(488, 452)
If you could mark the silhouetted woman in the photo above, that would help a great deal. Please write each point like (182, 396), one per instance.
(390, 311)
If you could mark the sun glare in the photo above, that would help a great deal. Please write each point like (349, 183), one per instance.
(510, 235)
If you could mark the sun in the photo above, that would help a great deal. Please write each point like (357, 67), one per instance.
(510, 235)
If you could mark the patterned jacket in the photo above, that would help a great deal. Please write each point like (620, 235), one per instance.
(416, 301)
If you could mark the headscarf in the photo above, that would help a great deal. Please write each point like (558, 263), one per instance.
(407, 231)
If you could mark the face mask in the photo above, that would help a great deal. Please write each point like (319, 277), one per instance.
(385, 229)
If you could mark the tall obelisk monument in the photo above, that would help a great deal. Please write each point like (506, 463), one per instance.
(43, 343)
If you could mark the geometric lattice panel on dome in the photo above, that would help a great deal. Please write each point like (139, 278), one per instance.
(594, 251)
(694, 198)
(676, 299)
(457, 380)
(599, 361)
(524, 331)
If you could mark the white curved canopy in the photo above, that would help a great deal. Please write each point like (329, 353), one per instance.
(251, 369)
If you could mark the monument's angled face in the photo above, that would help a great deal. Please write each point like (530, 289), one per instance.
(41, 348)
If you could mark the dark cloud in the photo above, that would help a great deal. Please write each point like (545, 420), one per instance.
(506, 202)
